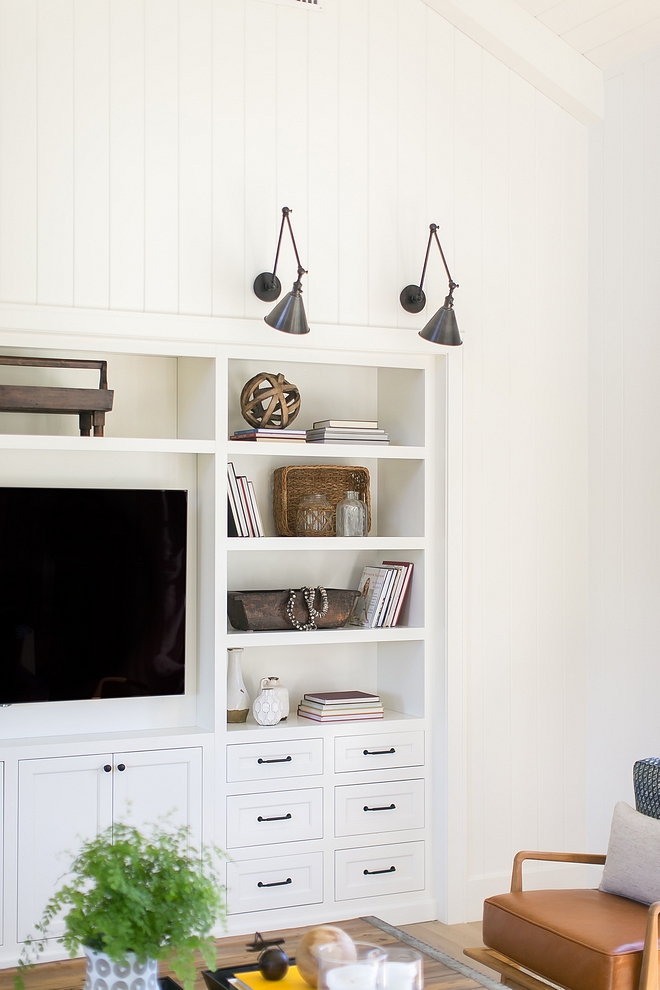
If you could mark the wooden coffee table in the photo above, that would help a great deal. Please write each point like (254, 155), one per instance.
(70, 974)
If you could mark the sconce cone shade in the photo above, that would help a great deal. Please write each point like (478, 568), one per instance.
(442, 328)
(289, 314)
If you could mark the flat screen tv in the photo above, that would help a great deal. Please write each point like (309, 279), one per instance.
(92, 593)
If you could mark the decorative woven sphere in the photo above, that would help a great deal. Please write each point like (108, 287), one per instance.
(269, 401)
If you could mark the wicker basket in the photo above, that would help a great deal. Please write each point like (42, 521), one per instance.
(334, 480)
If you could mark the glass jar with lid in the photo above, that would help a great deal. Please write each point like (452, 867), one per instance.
(315, 516)
(351, 515)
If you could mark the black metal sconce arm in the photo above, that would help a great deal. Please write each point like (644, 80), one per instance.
(413, 297)
(267, 286)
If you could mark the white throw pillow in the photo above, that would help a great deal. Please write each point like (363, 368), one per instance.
(632, 868)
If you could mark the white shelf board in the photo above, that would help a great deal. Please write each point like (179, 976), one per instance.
(250, 731)
(243, 544)
(16, 441)
(319, 451)
(236, 639)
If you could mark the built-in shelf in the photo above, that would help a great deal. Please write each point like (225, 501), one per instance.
(320, 451)
(323, 637)
(250, 729)
(278, 543)
(15, 441)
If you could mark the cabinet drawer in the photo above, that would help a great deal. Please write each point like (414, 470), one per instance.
(379, 752)
(278, 816)
(382, 807)
(284, 881)
(377, 870)
(271, 760)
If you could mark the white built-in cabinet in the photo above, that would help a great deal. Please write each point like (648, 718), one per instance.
(320, 822)
(62, 800)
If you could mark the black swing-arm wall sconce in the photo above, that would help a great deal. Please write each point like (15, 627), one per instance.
(289, 314)
(442, 328)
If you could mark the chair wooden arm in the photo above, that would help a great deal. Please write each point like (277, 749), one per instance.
(551, 857)
(648, 979)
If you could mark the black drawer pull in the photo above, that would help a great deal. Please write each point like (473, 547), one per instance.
(278, 818)
(107, 768)
(389, 807)
(278, 883)
(372, 873)
(121, 767)
(285, 759)
(378, 752)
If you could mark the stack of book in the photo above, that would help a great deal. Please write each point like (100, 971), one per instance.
(243, 516)
(281, 436)
(340, 706)
(383, 591)
(347, 431)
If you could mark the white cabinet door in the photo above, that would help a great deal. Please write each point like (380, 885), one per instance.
(60, 802)
(166, 783)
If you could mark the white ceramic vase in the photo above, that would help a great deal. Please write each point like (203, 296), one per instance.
(281, 692)
(104, 974)
(267, 707)
(238, 700)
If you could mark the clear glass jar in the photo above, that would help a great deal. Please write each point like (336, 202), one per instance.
(315, 516)
(352, 516)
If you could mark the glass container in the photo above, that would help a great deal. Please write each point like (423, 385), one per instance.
(315, 516)
(352, 515)
(402, 970)
(356, 967)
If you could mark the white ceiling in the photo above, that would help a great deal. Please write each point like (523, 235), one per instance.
(605, 31)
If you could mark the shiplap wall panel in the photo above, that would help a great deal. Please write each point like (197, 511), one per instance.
(523, 374)
(195, 145)
(161, 150)
(91, 129)
(440, 166)
(323, 179)
(18, 151)
(229, 159)
(127, 154)
(575, 481)
(261, 204)
(624, 468)
(551, 436)
(496, 457)
(412, 221)
(353, 161)
(55, 152)
(468, 254)
(383, 127)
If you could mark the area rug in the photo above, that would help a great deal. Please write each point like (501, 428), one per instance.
(437, 954)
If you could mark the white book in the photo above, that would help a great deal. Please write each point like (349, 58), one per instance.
(388, 611)
(255, 509)
(341, 424)
(385, 596)
(370, 588)
(239, 514)
(247, 505)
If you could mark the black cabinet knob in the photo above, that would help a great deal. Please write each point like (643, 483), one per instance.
(121, 767)
(107, 768)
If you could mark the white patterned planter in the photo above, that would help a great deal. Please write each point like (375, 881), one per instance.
(104, 974)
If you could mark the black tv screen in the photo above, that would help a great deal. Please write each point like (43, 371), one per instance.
(92, 593)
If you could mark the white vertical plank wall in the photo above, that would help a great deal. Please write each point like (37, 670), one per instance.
(146, 150)
(624, 438)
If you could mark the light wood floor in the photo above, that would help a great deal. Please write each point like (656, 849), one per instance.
(452, 939)
(70, 974)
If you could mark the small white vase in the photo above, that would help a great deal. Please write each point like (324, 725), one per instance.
(104, 974)
(238, 700)
(267, 707)
(281, 692)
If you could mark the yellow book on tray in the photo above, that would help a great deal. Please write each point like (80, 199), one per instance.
(255, 981)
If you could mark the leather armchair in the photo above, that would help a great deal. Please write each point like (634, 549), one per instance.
(579, 939)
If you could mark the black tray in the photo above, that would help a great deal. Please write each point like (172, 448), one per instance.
(217, 980)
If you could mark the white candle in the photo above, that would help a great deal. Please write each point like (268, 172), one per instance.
(355, 976)
(399, 976)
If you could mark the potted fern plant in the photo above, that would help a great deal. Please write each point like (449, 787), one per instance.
(133, 899)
